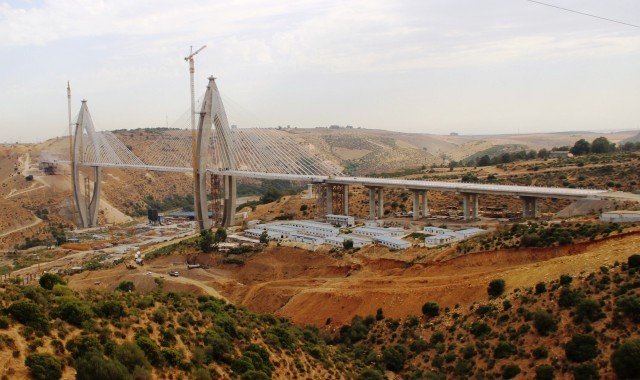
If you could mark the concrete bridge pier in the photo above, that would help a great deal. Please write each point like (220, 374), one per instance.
(230, 194)
(470, 206)
(376, 202)
(420, 204)
(345, 199)
(329, 200)
(529, 207)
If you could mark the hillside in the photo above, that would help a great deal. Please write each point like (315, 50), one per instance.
(581, 326)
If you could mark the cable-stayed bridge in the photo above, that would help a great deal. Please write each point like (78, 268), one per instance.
(219, 154)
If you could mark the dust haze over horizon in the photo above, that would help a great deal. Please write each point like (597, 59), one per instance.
(489, 67)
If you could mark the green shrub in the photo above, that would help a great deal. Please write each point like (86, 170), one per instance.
(544, 322)
(74, 311)
(496, 288)
(544, 372)
(111, 309)
(4, 322)
(479, 329)
(126, 286)
(172, 356)
(541, 287)
(629, 306)
(131, 356)
(540, 352)
(394, 358)
(581, 348)
(565, 279)
(83, 344)
(254, 375)
(585, 371)
(95, 367)
(370, 374)
(48, 280)
(588, 309)
(430, 309)
(503, 350)
(43, 366)
(568, 298)
(626, 359)
(151, 350)
(28, 313)
(634, 261)
(510, 371)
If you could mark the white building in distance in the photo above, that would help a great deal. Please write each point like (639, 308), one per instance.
(341, 220)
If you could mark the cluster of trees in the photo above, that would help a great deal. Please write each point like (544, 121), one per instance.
(208, 241)
(601, 145)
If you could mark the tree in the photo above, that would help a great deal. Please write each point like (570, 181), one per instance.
(206, 240)
(94, 366)
(544, 322)
(220, 236)
(484, 161)
(379, 314)
(543, 153)
(581, 348)
(370, 374)
(131, 356)
(264, 237)
(347, 243)
(430, 309)
(58, 234)
(28, 313)
(394, 357)
(541, 287)
(565, 279)
(580, 147)
(510, 371)
(126, 286)
(503, 350)
(634, 261)
(48, 280)
(588, 309)
(74, 311)
(626, 359)
(544, 372)
(496, 288)
(602, 145)
(629, 306)
(43, 366)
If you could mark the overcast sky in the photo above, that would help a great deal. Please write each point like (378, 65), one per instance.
(432, 66)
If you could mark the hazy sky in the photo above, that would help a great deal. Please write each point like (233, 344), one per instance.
(433, 66)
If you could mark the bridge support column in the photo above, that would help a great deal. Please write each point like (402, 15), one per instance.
(420, 204)
(425, 204)
(475, 206)
(345, 199)
(529, 207)
(229, 215)
(372, 202)
(470, 206)
(329, 202)
(465, 206)
(380, 202)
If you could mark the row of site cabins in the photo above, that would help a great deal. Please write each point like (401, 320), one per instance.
(316, 233)
(440, 236)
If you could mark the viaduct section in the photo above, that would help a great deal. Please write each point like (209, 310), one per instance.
(221, 155)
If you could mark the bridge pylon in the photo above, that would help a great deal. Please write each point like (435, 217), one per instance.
(88, 203)
(214, 126)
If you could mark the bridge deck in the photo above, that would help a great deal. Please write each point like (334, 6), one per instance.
(462, 187)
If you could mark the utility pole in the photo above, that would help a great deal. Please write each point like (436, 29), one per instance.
(69, 112)
(194, 159)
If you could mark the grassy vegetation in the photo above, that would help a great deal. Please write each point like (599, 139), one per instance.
(589, 323)
(540, 234)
